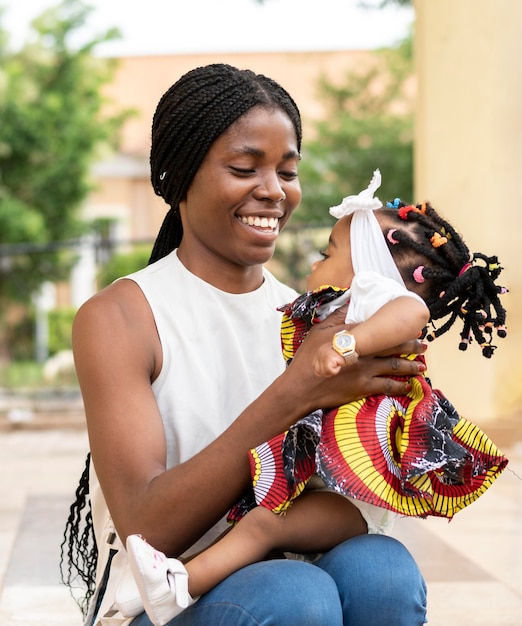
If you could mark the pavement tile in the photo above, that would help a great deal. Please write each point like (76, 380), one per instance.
(472, 565)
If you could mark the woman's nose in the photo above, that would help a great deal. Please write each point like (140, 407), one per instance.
(270, 188)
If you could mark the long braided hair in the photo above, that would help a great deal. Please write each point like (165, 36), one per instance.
(79, 551)
(456, 285)
(189, 117)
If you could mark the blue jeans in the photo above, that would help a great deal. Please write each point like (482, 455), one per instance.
(370, 580)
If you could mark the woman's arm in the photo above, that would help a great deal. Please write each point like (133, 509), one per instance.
(118, 355)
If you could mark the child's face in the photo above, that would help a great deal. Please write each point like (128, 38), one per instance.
(335, 268)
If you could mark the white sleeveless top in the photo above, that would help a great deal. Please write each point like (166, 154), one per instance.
(220, 351)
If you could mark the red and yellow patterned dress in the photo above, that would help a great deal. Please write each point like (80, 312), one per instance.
(412, 455)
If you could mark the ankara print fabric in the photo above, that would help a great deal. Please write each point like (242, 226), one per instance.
(413, 455)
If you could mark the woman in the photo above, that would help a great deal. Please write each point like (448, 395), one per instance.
(178, 385)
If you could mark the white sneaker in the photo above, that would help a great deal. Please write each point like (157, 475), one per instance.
(162, 582)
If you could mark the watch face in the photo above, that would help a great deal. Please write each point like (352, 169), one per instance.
(344, 342)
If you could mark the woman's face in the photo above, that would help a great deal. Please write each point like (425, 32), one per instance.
(335, 268)
(241, 197)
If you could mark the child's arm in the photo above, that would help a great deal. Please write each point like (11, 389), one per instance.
(394, 323)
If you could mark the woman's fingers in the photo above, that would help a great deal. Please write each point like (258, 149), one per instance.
(413, 346)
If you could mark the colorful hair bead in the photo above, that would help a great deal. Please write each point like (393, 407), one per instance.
(405, 210)
(438, 240)
(395, 204)
(464, 268)
(417, 274)
(501, 331)
(463, 345)
(487, 349)
(390, 236)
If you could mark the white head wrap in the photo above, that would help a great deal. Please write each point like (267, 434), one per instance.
(369, 249)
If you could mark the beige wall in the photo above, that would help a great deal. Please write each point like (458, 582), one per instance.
(469, 164)
(141, 81)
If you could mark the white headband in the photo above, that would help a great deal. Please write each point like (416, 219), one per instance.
(369, 249)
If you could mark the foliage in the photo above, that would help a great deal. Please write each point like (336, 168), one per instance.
(368, 124)
(20, 338)
(123, 264)
(51, 126)
(60, 327)
(22, 374)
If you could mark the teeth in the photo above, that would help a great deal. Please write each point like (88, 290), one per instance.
(261, 222)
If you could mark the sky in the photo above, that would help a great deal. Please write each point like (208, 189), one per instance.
(150, 27)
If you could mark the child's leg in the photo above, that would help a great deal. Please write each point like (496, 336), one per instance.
(316, 522)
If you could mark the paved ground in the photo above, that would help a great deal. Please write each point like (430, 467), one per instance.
(473, 565)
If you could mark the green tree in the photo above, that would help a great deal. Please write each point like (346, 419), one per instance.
(52, 125)
(122, 264)
(368, 124)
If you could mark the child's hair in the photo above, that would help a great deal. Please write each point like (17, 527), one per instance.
(435, 263)
(190, 116)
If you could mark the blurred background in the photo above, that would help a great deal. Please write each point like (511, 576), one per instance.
(426, 93)
(429, 92)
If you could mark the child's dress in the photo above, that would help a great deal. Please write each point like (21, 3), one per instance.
(411, 455)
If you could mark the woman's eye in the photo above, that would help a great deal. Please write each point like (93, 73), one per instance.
(323, 254)
(288, 175)
(240, 171)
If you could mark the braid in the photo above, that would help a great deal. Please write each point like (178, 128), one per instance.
(435, 262)
(79, 552)
(190, 116)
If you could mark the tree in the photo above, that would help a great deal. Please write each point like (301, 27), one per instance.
(368, 124)
(52, 126)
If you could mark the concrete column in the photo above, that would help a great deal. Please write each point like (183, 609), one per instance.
(468, 163)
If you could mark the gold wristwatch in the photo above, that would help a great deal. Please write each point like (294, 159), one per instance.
(344, 343)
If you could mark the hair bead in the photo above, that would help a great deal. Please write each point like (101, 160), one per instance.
(438, 240)
(417, 274)
(390, 236)
(405, 210)
(395, 204)
(464, 268)
(501, 331)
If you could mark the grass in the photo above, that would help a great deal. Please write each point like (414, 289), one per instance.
(29, 375)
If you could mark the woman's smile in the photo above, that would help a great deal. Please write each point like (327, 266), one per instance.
(263, 224)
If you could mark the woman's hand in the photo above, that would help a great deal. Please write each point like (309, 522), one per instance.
(370, 375)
